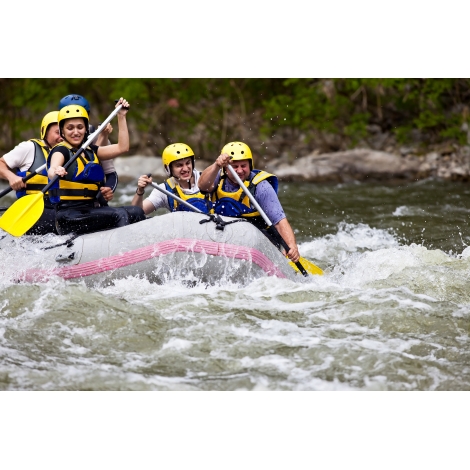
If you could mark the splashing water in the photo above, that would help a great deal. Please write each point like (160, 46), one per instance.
(392, 311)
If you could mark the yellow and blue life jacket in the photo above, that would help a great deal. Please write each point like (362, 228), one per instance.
(198, 200)
(237, 203)
(37, 182)
(83, 179)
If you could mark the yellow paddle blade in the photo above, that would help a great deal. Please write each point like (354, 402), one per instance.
(308, 266)
(22, 214)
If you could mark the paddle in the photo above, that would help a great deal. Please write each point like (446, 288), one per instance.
(26, 211)
(24, 179)
(311, 268)
(182, 201)
(271, 227)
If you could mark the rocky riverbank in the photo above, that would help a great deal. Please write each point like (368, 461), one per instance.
(448, 163)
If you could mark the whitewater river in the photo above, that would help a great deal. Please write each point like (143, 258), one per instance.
(392, 311)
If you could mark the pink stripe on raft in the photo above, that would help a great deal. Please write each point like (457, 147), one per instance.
(153, 251)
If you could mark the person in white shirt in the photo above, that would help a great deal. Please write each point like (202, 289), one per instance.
(25, 159)
(178, 162)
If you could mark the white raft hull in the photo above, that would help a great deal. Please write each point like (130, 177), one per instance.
(161, 248)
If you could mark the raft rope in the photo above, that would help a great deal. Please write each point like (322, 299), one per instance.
(219, 223)
(68, 243)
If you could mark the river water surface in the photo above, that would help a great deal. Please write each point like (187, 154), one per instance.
(392, 311)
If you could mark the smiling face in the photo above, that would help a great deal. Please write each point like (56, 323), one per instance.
(242, 169)
(74, 131)
(53, 135)
(182, 169)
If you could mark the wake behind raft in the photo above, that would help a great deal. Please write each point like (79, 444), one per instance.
(171, 246)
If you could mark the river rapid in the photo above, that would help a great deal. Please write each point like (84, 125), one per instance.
(392, 311)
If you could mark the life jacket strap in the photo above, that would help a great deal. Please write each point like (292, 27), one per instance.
(84, 193)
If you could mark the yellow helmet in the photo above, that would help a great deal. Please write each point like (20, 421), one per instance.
(239, 151)
(175, 152)
(72, 111)
(47, 120)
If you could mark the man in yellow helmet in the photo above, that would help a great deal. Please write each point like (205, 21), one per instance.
(178, 162)
(229, 199)
(26, 158)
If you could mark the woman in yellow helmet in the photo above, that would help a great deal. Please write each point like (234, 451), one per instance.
(178, 162)
(111, 176)
(75, 192)
(25, 159)
(229, 199)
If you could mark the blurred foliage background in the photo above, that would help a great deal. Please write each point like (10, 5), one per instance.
(277, 117)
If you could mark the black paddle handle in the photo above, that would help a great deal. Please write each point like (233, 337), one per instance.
(24, 179)
(283, 243)
(6, 191)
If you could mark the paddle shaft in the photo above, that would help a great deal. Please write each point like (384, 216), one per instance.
(271, 227)
(182, 201)
(24, 179)
(83, 147)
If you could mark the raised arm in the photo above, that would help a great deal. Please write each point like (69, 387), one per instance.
(138, 199)
(208, 176)
(103, 139)
(114, 150)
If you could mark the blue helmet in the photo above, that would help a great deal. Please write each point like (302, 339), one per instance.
(74, 99)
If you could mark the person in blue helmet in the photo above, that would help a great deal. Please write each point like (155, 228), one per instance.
(111, 177)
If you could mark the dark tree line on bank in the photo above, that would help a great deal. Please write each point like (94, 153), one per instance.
(277, 117)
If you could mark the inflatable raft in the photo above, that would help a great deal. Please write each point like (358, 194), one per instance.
(180, 245)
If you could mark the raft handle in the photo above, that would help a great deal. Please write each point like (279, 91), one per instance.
(62, 258)
(219, 222)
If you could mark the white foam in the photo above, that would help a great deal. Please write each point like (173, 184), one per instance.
(465, 253)
(178, 344)
(350, 238)
(377, 309)
(402, 210)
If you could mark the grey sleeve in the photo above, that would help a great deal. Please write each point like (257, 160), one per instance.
(269, 202)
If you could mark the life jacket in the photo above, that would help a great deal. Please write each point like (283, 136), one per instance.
(198, 200)
(37, 182)
(237, 203)
(83, 179)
